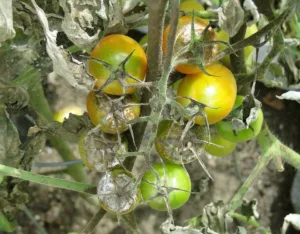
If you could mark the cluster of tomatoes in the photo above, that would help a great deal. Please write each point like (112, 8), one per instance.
(118, 64)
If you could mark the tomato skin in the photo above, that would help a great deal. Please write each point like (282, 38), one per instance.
(169, 146)
(225, 147)
(114, 49)
(176, 177)
(64, 113)
(98, 107)
(124, 195)
(225, 130)
(223, 36)
(190, 6)
(183, 38)
(218, 91)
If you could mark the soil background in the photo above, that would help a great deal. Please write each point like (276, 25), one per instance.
(60, 211)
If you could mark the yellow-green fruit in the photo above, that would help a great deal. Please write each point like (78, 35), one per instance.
(144, 42)
(223, 36)
(220, 146)
(65, 112)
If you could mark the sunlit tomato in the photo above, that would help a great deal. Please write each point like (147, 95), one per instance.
(171, 177)
(223, 36)
(171, 149)
(218, 92)
(183, 38)
(114, 49)
(101, 107)
(190, 6)
(219, 146)
(118, 193)
(225, 130)
(65, 112)
(98, 150)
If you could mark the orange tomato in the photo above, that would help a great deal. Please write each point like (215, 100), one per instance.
(218, 92)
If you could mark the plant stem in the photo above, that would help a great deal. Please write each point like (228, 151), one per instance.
(157, 10)
(250, 221)
(89, 228)
(46, 180)
(40, 229)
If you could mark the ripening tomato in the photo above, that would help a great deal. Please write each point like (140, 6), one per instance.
(118, 193)
(100, 107)
(175, 177)
(219, 146)
(114, 49)
(183, 38)
(223, 36)
(64, 113)
(218, 92)
(225, 130)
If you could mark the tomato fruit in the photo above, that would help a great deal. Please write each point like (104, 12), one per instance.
(223, 36)
(98, 150)
(183, 38)
(64, 113)
(225, 130)
(118, 193)
(190, 6)
(114, 49)
(220, 146)
(176, 177)
(238, 101)
(169, 146)
(144, 42)
(100, 107)
(218, 92)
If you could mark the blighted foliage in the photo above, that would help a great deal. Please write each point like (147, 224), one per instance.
(83, 23)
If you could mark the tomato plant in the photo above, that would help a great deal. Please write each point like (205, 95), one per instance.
(111, 114)
(172, 149)
(223, 36)
(217, 91)
(183, 39)
(219, 146)
(118, 193)
(225, 130)
(175, 177)
(114, 50)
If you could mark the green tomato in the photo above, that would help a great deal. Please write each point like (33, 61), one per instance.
(175, 177)
(220, 146)
(225, 130)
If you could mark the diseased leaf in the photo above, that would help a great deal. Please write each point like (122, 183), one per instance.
(290, 95)
(6, 21)
(249, 5)
(231, 17)
(9, 140)
(60, 65)
(291, 220)
(249, 208)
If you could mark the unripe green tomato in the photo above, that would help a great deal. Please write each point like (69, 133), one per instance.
(98, 150)
(223, 36)
(100, 107)
(175, 177)
(225, 130)
(118, 193)
(144, 42)
(64, 113)
(220, 146)
(171, 149)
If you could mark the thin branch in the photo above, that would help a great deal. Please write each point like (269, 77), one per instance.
(89, 228)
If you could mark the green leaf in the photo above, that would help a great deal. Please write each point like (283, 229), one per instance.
(7, 226)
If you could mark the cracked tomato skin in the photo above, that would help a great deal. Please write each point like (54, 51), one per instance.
(114, 49)
(218, 92)
(183, 35)
(99, 107)
(176, 177)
